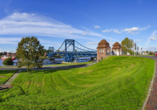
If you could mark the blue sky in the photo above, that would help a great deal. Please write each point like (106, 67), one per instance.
(86, 21)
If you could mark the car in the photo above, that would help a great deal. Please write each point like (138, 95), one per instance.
(155, 53)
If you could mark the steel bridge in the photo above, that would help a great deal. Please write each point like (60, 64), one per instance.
(71, 50)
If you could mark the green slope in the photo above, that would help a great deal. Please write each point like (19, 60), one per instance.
(5, 75)
(118, 82)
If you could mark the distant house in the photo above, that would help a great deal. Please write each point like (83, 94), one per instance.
(103, 49)
(117, 49)
(4, 53)
(11, 54)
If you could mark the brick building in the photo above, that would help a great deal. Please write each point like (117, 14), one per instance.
(103, 49)
(117, 49)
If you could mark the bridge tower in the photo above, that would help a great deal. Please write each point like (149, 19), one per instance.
(69, 42)
(51, 49)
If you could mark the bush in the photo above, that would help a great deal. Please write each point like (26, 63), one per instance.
(151, 53)
(8, 61)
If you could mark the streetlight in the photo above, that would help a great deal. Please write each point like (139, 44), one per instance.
(111, 46)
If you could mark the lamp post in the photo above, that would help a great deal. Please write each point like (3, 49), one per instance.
(134, 48)
(111, 46)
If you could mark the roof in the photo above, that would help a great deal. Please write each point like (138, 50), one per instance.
(116, 45)
(103, 44)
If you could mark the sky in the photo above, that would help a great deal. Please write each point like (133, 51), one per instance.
(86, 21)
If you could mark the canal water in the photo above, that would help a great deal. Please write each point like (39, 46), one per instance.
(55, 61)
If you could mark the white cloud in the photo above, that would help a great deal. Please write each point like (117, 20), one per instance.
(92, 43)
(107, 30)
(70, 32)
(112, 30)
(145, 28)
(85, 33)
(134, 29)
(152, 37)
(33, 24)
(128, 30)
(97, 26)
(4, 40)
(4, 27)
(9, 40)
(117, 31)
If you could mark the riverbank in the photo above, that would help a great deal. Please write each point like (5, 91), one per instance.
(47, 61)
(48, 66)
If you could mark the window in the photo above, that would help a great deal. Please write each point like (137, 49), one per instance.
(107, 50)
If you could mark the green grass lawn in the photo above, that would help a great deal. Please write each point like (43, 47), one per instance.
(116, 83)
(5, 75)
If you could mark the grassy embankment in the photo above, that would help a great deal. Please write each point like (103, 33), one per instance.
(118, 82)
(5, 75)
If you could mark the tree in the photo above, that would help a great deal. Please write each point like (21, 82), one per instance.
(127, 45)
(29, 49)
(44, 51)
(8, 61)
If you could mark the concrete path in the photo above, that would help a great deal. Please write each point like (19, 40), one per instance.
(12, 78)
(8, 83)
(49, 67)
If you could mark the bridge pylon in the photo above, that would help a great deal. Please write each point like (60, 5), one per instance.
(69, 42)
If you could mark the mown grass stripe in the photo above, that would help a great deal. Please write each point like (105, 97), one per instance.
(118, 82)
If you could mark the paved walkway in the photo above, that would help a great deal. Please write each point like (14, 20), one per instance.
(8, 83)
(151, 101)
(49, 67)
(12, 78)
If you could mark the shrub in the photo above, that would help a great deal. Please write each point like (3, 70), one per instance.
(8, 61)
(151, 53)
